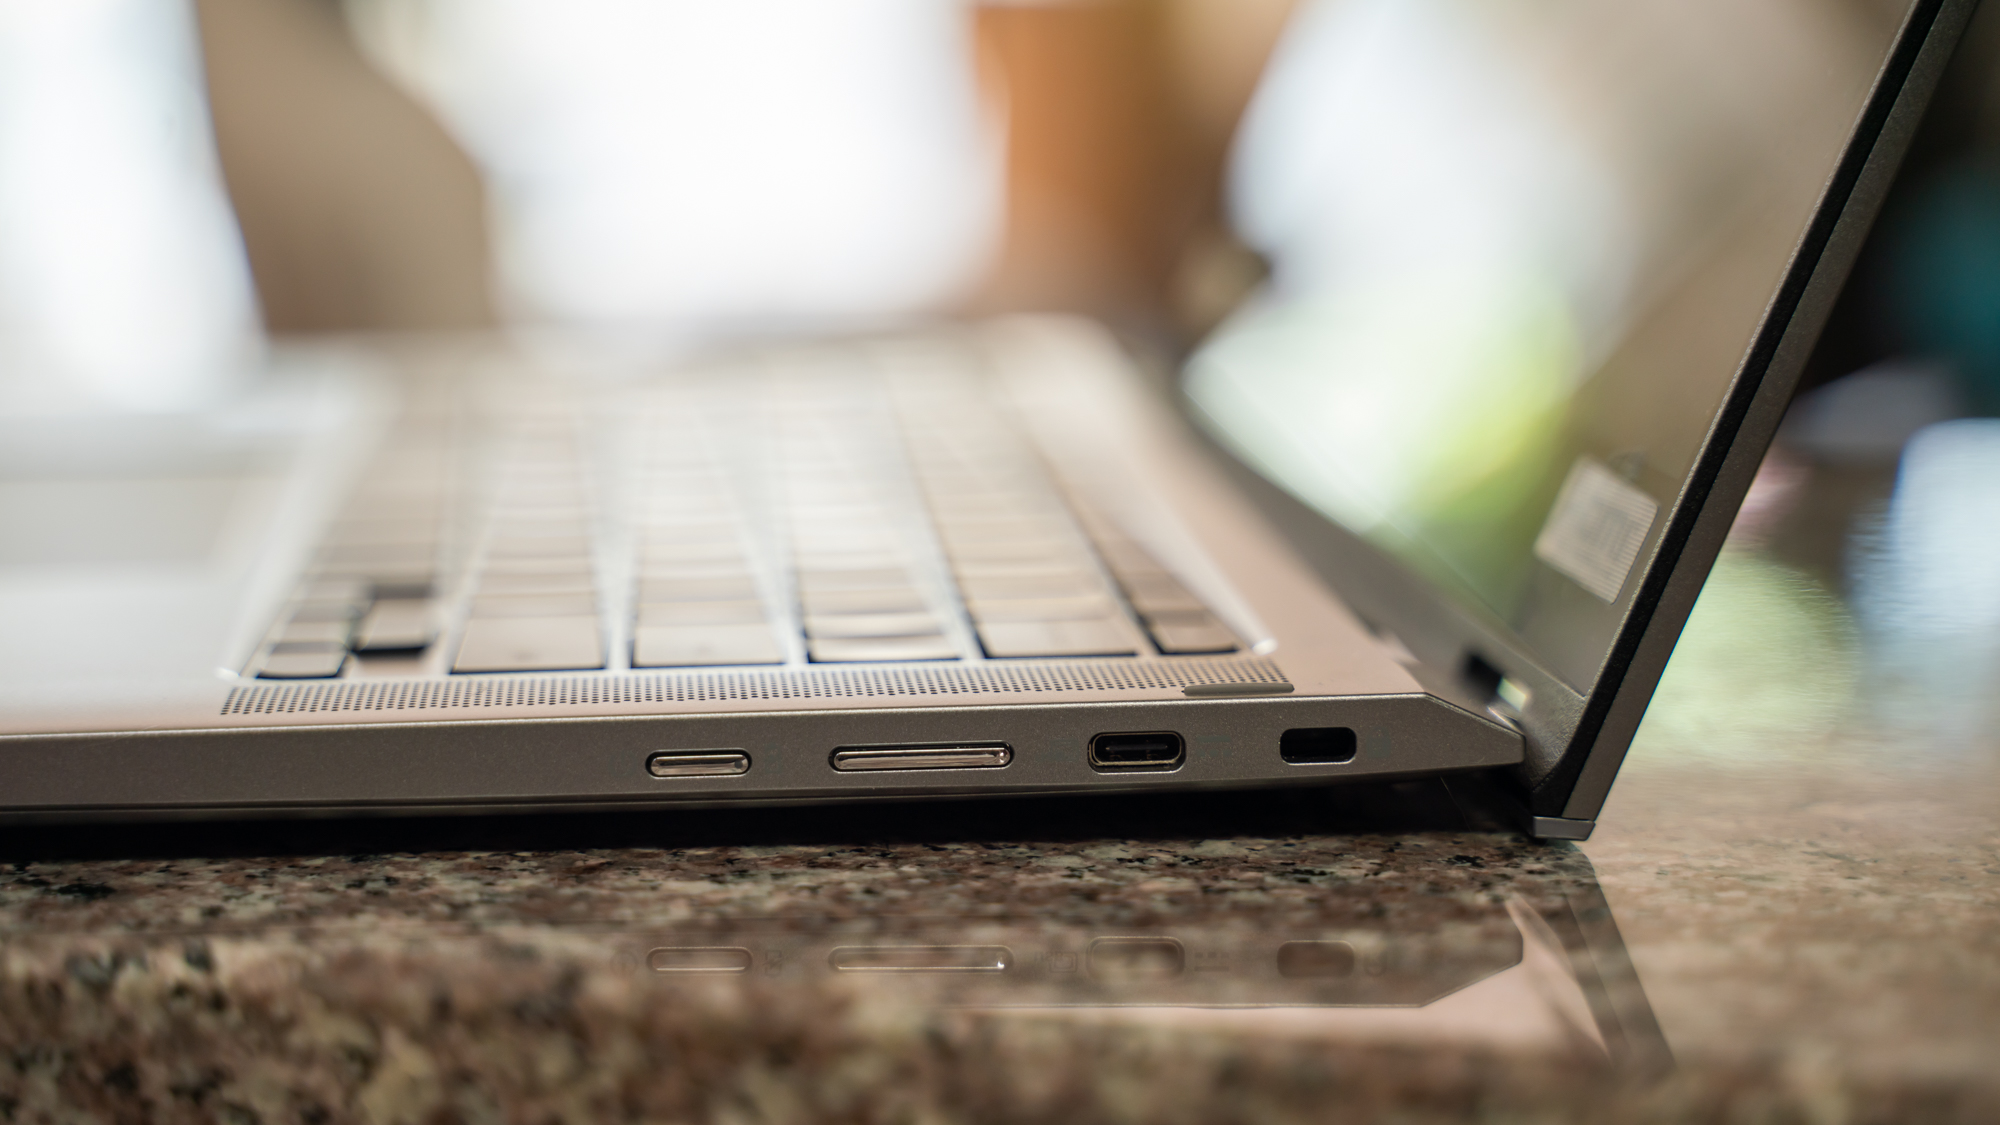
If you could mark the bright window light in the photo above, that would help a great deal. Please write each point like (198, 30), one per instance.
(696, 167)
(122, 277)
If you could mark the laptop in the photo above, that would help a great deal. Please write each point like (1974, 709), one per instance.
(1434, 501)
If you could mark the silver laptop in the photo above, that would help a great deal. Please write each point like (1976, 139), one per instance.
(1435, 501)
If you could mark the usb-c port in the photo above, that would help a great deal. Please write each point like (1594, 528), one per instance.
(698, 763)
(1155, 750)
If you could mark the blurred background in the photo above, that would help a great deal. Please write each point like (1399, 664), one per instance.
(667, 173)
(229, 168)
(182, 184)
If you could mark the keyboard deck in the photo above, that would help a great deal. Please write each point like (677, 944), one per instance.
(815, 509)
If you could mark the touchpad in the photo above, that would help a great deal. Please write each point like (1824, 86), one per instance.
(157, 521)
(127, 545)
(121, 493)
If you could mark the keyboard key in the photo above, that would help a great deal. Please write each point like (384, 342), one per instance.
(1040, 609)
(734, 569)
(361, 557)
(855, 527)
(1045, 553)
(1152, 585)
(820, 626)
(546, 564)
(334, 632)
(302, 662)
(816, 581)
(1182, 633)
(671, 553)
(1014, 639)
(887, 599)
(396, 625)
(534, 605)
(529, 644)
(539, 548)
(816, 560)
(850, 650)
(516, 527)
(723, 567)
(956, 529)
(669, 530)
(738, 612)
(416, 582)
(530, 582)
(665, 517)
(1022, 568)
(1061, 584)
(350, 591)
(326, 611)
(735, 587)
(1156, 602)
(686, 646)
(541, 509)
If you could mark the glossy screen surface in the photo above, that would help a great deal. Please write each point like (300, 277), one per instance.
(1519, 251)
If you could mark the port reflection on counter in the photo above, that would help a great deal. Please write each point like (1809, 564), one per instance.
(1519, 971)
(920, 959)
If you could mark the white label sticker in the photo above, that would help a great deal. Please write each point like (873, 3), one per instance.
(1596, 528)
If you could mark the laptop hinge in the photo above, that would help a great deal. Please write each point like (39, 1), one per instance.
(1560, 828)
(1491, 801)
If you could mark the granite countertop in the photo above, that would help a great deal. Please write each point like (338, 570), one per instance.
(1788, 913)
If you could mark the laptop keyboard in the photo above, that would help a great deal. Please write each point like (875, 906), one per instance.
(534, 600)
(751, 520)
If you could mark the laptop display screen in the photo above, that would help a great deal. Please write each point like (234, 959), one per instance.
(1518, 252)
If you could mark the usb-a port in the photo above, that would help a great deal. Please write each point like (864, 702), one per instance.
(1152, 750)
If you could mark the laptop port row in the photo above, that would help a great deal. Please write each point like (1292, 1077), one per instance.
(1149, 751)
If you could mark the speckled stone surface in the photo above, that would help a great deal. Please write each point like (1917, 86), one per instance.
(477, 985)
(1801, 863)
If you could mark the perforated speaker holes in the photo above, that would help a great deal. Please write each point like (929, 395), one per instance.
(814, 683)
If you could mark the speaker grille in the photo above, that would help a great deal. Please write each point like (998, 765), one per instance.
(911, 681)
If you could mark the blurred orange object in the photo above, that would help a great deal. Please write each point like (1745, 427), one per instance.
(1118, 116)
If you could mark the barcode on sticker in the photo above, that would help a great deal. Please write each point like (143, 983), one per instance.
(1594, 532)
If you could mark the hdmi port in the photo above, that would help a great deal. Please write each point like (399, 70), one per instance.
(1155, 750)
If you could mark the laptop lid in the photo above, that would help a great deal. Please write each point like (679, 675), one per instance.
(1543, 277)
